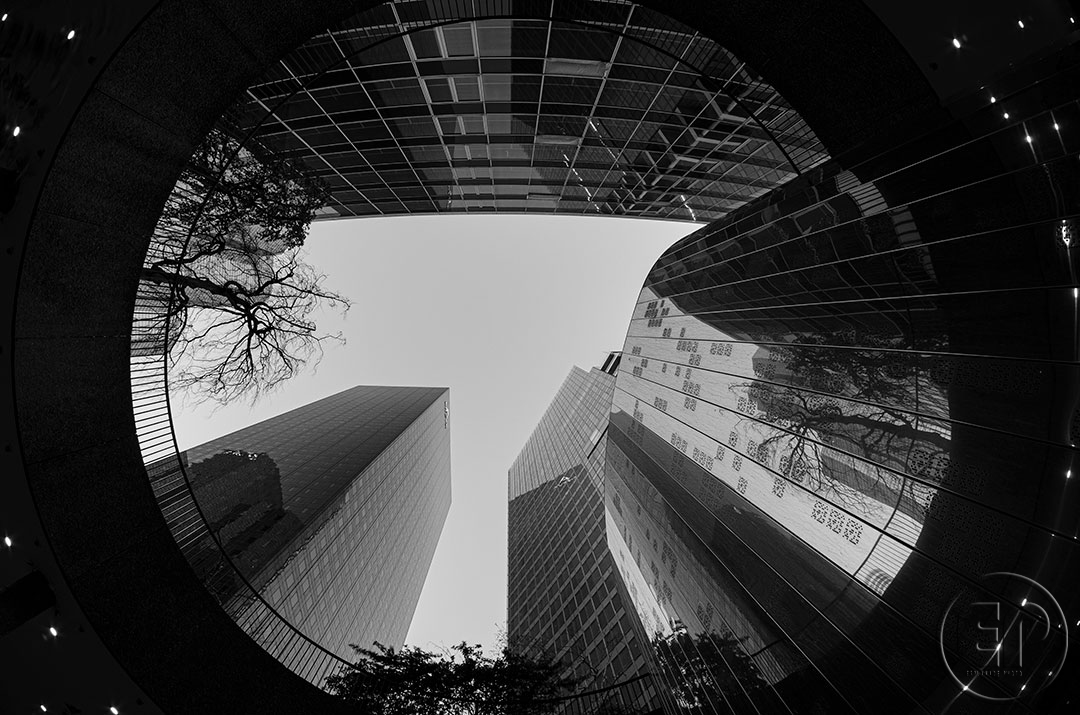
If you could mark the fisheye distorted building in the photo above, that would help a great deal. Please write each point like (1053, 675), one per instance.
(565, 597)
(841, 404)
(332, 511)
(595, 108)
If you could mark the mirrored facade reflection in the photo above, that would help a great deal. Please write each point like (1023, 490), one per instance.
(565, 596)
(718, 651)
(844, 426)
(829, 433)
(331, 511)
(599, 107)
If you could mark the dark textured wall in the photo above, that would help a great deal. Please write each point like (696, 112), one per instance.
(115, 165)
(79, 255)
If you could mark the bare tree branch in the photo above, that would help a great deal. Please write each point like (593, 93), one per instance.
(824, 405)
(226, 255)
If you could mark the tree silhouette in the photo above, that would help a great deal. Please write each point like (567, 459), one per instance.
(849, 394)
(462, 681)
(225, 260)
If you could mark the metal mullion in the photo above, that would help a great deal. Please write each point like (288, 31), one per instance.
(484, 116)
(341, 209)
(168, 488)
(423, 89)
(145, 405)
(306, 652)
(153, 455)
(598, 470)
(793, 122)
(186, 525)
(745, 122)
(724, 176)
(177, 503)
(820, 233)
(596, 102)
(145, 367)
(645, 113)
(883, 532)
(880, 212)
(317, 153)
(188, 530)
(147, 377)
(771, 619)
(427, 97)
(148, 449)
(150, 415)
(275, 639)
(543, 71)
(399, 148)
(540, 100)
(303, 88)
(254, 620)
(171, 500)
(350, 141)
(148, 435)
(711, 152)
(144, 375)
(149, 438)
(166, 484)
(752, 118)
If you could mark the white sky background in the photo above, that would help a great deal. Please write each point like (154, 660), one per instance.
(498, 309)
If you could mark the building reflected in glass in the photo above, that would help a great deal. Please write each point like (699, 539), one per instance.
(822, 453)
(566, 598)
(599, 108)
(331, 512)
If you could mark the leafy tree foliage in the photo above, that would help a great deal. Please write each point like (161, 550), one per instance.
(226, 260)
(462, 681)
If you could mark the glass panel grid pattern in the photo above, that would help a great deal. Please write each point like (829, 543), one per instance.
(847, 427)
(566, 598)
(332, 511)
(596, 107)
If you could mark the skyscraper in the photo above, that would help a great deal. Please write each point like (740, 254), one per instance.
(812, 411)
(565, 596)
(331, 512)
(594, 108)
(605, 575)
(971, 139)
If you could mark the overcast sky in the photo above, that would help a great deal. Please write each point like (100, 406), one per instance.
(498, 309)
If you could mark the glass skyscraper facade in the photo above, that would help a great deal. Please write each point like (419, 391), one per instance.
(331, 512)
(831, 442)
(566, 598)
(847, 413)
(595, 107)
(841, 438)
